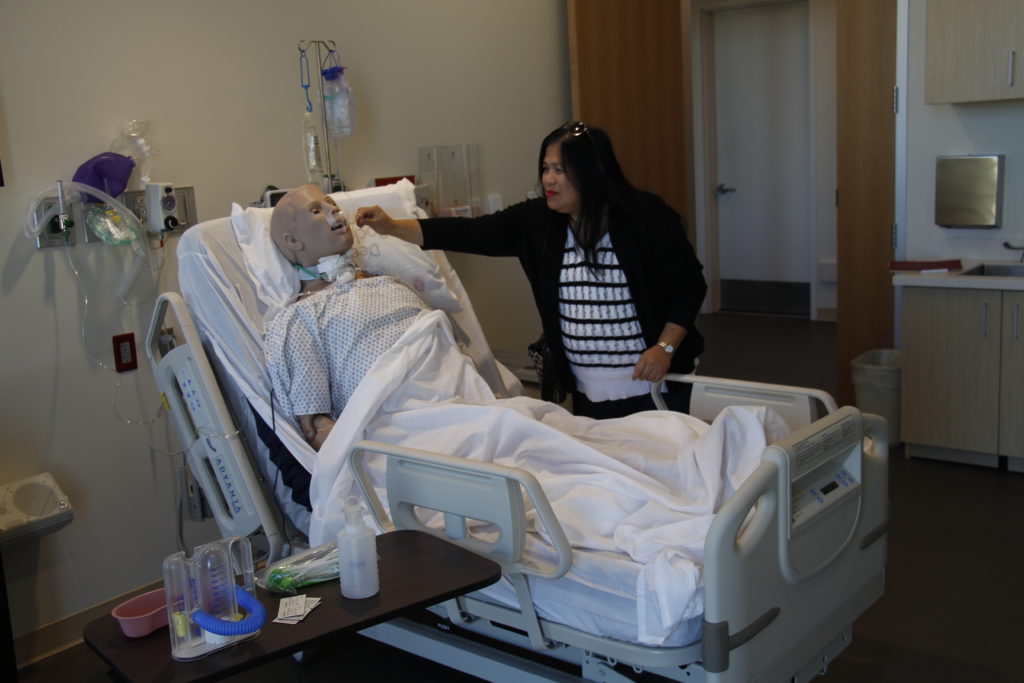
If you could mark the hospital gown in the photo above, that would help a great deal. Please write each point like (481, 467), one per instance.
(320, 347)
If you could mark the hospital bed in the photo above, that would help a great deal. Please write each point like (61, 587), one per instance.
(790, 561)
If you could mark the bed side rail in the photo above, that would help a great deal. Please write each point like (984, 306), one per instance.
(213, 446)
(798, 406)
(799, 552)
(465, 491)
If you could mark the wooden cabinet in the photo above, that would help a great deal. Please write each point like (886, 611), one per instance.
(1011, 388)
(962, 378)
(973, 51)
(950, 368)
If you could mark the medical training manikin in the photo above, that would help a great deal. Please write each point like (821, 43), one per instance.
(319, 347)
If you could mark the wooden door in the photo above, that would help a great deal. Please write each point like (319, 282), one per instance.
(866, 126)
(630, 75)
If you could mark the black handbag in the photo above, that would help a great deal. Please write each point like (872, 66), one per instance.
(551, 388)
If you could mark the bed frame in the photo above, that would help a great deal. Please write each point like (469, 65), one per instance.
(787, 569)
(790, 561)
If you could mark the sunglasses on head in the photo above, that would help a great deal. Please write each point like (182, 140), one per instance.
(576, 128)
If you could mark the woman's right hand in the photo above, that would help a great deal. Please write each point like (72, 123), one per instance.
(407, 229)
(376, 218)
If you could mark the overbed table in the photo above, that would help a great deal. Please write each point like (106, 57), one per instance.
(416, 570)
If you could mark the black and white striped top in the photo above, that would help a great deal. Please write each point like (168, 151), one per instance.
(600, 328)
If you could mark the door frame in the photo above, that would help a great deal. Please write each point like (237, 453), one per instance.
(822, 89)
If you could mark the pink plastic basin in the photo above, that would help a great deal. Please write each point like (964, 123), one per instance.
(143, 614)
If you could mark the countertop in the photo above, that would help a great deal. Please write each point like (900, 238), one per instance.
(953, 279)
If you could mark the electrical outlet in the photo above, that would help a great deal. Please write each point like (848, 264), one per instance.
(125, 357)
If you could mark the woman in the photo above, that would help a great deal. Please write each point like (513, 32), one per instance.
(616, 282)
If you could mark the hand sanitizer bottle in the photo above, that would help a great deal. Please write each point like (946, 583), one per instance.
(357, 554)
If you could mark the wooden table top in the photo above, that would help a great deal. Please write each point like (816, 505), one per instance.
(416, 570)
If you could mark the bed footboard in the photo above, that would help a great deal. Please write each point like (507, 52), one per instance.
(798, 406)
(798, 553)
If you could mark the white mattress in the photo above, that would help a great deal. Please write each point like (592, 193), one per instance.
(599, 596)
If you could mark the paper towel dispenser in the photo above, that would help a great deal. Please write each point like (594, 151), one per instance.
(969, 191)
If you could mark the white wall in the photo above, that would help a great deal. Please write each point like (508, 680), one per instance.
(219, 81)
(944, 129)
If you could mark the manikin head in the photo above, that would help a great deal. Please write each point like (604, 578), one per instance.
(307, 225)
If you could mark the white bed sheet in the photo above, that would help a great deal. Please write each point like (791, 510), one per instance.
(635, 495)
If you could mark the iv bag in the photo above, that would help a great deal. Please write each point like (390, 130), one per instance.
(337, 102)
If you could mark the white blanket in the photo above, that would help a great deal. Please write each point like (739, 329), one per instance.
(645, 486)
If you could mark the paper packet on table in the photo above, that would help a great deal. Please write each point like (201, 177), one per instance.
(288, 575)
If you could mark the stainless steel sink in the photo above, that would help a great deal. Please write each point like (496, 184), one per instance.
(996, 270)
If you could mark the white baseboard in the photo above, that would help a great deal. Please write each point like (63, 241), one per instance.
(57, 636)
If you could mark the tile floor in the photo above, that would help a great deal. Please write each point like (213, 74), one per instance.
(951, 609)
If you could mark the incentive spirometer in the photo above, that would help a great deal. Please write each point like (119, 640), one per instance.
(203, 600)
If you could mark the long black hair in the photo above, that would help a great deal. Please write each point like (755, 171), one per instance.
(589, 160)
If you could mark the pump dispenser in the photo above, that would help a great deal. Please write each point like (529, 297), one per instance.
(357, 554)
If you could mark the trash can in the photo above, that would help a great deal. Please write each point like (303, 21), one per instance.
(876, 385)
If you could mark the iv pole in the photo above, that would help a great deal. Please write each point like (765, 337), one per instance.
(327, 149)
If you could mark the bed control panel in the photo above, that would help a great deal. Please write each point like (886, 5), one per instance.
(825, 492)
(822, 464)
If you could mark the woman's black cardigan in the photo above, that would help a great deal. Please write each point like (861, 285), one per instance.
(664, 275)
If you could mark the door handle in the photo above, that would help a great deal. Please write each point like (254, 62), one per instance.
(723, 189)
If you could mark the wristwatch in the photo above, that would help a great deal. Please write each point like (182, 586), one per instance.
(669, 349)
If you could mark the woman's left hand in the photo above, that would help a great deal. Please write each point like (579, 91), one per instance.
(653, 365)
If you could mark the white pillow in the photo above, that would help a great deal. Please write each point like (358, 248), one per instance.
(394, 256)
(277, 282)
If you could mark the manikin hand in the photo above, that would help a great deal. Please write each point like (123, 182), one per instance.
(315, 429)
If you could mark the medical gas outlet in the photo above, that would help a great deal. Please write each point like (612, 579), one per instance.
(56, 233)
(161, 208)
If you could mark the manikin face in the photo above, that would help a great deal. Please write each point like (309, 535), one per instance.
(559, 190)
(319, 227)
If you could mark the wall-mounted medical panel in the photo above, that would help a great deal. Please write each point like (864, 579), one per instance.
(176, 204)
